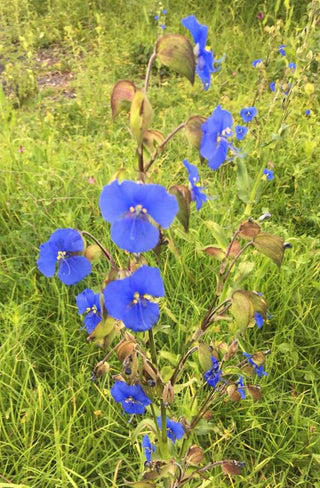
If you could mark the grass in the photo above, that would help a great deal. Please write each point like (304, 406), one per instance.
(58, 429)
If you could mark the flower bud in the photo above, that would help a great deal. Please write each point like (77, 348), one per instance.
(100, 369)
(255, 392)
(92, 252)
(259, 358)
(194, 455)
(232, 467)
(124, 349)
(233, 393)
(232, 350)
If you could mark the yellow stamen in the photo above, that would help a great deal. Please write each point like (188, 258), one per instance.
(61, 255)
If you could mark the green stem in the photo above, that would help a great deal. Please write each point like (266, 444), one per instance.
(254, 191)
(147, 78)
(103, 249)
(163, 145)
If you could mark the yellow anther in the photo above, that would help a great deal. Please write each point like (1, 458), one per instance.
(218, 139)
(136, 295)
(131, 209)
(61, 255)
(134, 301)
(144, 210)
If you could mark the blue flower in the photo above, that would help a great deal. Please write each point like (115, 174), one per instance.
(129, 207)
(282, 49)
(194, 178)
(132, 397)
(88, 303)
(292, 66)
(175, 430)
(257, 62)
(240, 388)
(272, 86)
(212, 376)
(205, 59)
(163, 26)
(248, 113)
(164, 11)
(259, 320)
(258, 369)
(241, 132)
(307, 113)
(156, 17)
(129, 299)
(64, 247)
(149, 448)
(216, 130)
(268, 173)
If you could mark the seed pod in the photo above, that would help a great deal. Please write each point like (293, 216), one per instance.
(125, 349)
(168, 394)
(194, 455)
(255, 392)
(232, 350)
(233, 393)
(100, 369)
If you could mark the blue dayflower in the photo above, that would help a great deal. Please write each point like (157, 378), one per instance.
(248, 113)
(175, 430)
(129, 299)
(292, 66)
(282, 49)
(88, 303)
(132, 397)
(156, 17)
(268, 174)
(257, 62)
(241, 132)
(272, 86)
(194, 178)
(128, 206)
(213, 376)
(258, 369)
(149, 448)
(216, 131)
(259, 320)
(205, 59)
(307, 113)
(163, 26)
(64, 247)
(240, 388)
(164, 11)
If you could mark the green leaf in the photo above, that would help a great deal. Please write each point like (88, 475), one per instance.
(140, 115)
(122, 95)
(184, 198)
(204, 355)
(243, 182)
(176, 52)
(242, 309)
(193, 130)
(271, 246)
(219, 234)
(141, 484)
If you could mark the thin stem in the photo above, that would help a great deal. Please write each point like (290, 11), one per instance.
(181, 363)
(111, 351)
(152, 348)
(140, 160)
(147, 78)
(236, 259)
(211, 312)
(162, 146)
(103, 249)
(155, 418)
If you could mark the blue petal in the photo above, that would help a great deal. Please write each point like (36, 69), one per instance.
(118, 295)
(47, 260)
(162, 206)
(119, 391)
(91, 321)
(74, 269)
(205, 67)
(133, 408)
(258, 319)
(116, 199)
(85, 300)
(69, 240)
(134, 233)
(141, 316)
(198, 196)
(147, 280)
(193, 172)
(241, 132)
(219, 156)
(198, 31)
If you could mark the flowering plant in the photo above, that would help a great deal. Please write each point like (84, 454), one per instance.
(122, 314)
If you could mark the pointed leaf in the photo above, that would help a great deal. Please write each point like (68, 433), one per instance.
(241, 309)
(271, 246)
(216, 252)
(204, 355)
(243, 182)
(193, 130)
(176, 52)
(152, 139)
(140, 115)
(123, 91)
(184, 198)
(235, 249)
(249, 229)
